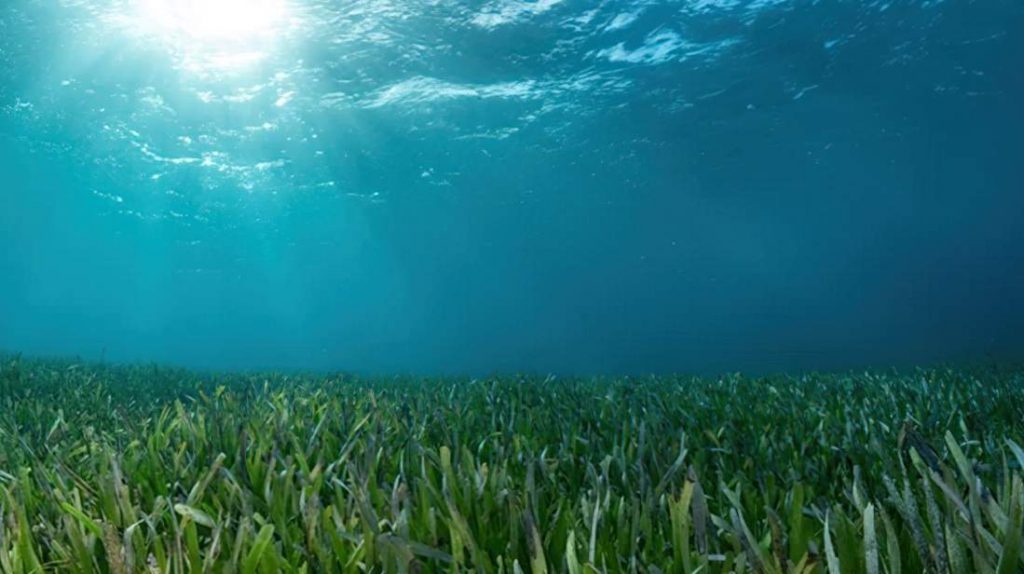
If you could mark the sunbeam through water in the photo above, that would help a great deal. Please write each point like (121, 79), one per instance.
(212, 36)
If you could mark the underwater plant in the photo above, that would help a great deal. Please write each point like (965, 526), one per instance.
(150, 469)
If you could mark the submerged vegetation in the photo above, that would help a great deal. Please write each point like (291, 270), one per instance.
(147, 469)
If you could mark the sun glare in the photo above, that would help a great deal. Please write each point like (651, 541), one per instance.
(213, 36)
(215, 21)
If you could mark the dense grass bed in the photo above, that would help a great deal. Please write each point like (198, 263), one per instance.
(146, 469)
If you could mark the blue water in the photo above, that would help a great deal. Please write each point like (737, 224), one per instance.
(441, 186)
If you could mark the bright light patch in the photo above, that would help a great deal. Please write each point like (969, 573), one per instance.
(215, 21)
(208, 37)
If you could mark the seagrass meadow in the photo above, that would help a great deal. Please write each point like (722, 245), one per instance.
(151, 469)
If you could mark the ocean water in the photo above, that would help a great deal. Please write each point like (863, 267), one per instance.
(440, 186)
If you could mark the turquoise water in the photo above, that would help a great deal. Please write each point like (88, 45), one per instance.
(506, 185)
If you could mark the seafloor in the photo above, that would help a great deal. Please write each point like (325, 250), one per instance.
(150, 469)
